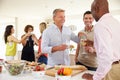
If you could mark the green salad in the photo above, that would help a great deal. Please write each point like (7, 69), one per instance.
(15, 69)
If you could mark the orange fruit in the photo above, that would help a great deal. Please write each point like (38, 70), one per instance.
(67, 71)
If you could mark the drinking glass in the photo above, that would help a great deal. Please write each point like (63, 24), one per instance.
(67, 42)
(83, 38)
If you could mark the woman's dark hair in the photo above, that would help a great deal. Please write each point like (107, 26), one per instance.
(27, 27)
(7, 32)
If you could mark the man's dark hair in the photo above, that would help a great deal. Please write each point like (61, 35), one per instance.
(87, 12)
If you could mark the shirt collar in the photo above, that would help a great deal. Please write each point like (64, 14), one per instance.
(105, 16)
(55, 26)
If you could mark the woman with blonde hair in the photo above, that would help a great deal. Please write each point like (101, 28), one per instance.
(42, 57)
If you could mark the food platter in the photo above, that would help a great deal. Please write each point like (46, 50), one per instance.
(30, 66)
(76, 69)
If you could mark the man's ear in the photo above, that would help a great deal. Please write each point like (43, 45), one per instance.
(53, 18)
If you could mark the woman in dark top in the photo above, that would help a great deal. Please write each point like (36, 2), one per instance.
(28, 45)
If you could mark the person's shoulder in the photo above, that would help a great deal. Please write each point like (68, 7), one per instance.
(97, 26)
(33, 35)
(67, 28)
(50, 28)
(47, 29)
(100, 27)
(10, 38)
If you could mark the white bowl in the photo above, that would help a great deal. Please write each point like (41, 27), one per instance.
(38, 74)
(59, 77)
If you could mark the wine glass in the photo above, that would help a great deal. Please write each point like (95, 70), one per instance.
(67, 42)
(83, 39)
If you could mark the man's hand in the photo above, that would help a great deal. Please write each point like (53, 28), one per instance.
(87, 76)
(89, 49)
(61, 47)
(76, 60)
(81, 34)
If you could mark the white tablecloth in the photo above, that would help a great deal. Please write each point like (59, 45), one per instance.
(28, 76)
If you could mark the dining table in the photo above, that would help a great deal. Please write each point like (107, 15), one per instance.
(4, 75)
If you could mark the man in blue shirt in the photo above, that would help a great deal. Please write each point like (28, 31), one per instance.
(55, 40)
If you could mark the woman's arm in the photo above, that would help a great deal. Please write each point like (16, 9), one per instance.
(24, 37)
(13, 39)
(35, 39)
(23, 40)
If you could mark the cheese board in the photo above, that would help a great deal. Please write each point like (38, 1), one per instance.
(76, 69)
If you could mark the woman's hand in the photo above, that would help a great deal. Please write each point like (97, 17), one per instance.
(28, 34)
(38, 55)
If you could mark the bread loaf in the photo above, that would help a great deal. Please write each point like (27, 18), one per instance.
(74, 67)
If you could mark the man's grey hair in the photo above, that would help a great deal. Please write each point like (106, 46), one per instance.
(57, 10)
